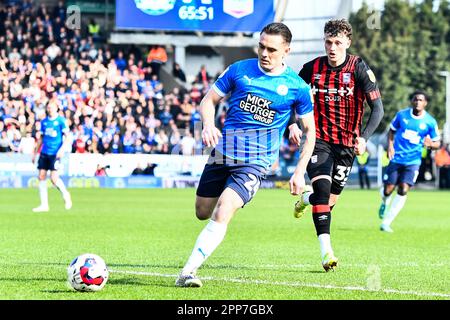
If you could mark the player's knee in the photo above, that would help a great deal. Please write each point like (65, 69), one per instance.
(223, 212)
(202, 212)
(403, 189)
(333, 200)
(388, 189)
(322, 191)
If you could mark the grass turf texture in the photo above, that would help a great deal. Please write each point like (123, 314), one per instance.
(145, 237)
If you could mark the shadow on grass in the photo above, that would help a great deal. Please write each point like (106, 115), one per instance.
(59, 291)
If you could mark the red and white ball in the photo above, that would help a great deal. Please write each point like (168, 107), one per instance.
(87, 272)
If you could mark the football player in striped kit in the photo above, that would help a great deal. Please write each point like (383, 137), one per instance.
(340, 85)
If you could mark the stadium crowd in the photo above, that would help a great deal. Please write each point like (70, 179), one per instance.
(113, 100)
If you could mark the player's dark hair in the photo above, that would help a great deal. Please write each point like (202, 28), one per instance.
(336, 26)
(419, 92)
(275, 28)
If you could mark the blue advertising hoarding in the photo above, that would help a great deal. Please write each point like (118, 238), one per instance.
(194, 15)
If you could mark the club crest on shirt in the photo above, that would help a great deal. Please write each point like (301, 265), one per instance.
(282, 90)
(422, 126)
(346, 77)
(317, 76)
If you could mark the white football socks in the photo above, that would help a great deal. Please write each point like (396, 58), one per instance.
(397, 204)
(62, 188)
(325, 244)
(386, 200)
(207, 241)
(306, 196)
(43, 194)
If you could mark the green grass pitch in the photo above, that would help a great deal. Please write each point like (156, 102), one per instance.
(145, 237)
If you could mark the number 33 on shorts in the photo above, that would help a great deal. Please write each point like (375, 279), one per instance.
(342, 174)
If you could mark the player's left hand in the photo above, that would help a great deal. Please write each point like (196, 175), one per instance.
(360, 146)
(295, 134)
(297, 183)
(427, 142)
(59, 154)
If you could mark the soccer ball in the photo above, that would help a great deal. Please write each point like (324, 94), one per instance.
(87, 272)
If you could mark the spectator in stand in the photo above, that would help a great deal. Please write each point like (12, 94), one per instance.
(94, 30)
(120, 61)
(156, 57)
(5, 143)
(101, 171)
(166, 116)
(150, 169)
(27, 143)
(178, 73)
(116, 145)
(187, 144)
(162, 142)
(53, 51)
(139, 170)
(196, 94)
(60, 11)
(101, 97)
(203, 77)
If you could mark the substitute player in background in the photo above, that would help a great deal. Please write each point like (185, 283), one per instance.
(340, 83)
(264, 92)
(52, 138)
(411, 129)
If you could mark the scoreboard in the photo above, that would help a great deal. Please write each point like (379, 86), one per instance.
(194, 15)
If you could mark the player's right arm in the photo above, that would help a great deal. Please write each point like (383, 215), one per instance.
(295, 133)
(297, 182)
(394, 126)
(391, 150)
(365, 78)
(305, 112)
(210, 133)
(37, 148)
(223, 85)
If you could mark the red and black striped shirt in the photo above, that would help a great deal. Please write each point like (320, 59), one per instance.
(339, 94)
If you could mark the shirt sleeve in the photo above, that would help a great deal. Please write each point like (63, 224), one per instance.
(225, 83)
(64, 126)
(434, 131)
(395, 123)
(304, 105)
(306, 72)
(365, 79)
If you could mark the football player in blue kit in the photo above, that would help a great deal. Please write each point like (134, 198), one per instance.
(263, 93)
(411, 130)
(52, 138)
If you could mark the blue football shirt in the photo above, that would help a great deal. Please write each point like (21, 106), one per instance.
(410, 133)
(53, 131)
(260, 105)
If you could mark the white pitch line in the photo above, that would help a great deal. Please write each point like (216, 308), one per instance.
(292, 284)
(354, 265)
